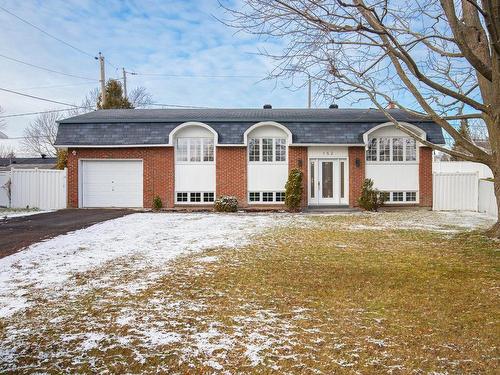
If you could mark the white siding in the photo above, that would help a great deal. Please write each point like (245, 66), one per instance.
(393, 176)
(194, 131)
(269, 131)
(318, 152)
(38, 188)
(455, 192)
(267, 176)
(195, 177)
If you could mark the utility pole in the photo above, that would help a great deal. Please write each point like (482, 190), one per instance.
(309, 92)
(124, 83)
(102, 80)
(125, 95)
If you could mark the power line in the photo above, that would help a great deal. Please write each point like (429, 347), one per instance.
(46, 69)
(53, 36)
(41, 112)
(46, 33)
(197, 75)
(56, 86)
(37, 97)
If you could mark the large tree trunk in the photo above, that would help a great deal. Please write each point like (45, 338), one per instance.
(494, 231)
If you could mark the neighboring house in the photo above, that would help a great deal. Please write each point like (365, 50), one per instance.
(124, 158)
(26, 163)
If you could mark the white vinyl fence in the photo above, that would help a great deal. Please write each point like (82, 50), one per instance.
(38, 188)
(461, 167)
(4, 192)
(463, 192)
(455, 191)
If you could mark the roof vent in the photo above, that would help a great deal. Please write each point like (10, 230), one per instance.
(267, 106)
(333, 106)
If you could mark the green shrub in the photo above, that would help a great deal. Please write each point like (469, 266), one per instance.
(371, 199)
(293, 190)
(226, 203)
(157, 203)
(62, 159)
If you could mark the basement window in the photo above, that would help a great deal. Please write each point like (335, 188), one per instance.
(401, 196)
(195, 197)
(266, 196)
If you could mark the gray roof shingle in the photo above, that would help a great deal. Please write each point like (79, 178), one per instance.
(152, 126)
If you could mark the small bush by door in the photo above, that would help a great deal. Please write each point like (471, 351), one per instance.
(293, 190)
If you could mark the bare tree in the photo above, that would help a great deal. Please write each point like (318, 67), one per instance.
(7, 152)
(140, 98)
(436, 58)
(40, 134)
(3, 124)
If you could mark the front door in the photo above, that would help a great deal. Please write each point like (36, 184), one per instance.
(327, 181)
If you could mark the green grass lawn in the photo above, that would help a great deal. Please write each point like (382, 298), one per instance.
(326, 299)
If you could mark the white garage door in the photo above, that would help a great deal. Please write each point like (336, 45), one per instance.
(111, 183)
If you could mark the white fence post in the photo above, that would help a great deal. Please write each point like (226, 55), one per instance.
(39, 188)
(4, 193)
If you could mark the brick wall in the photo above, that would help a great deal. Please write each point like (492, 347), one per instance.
(297, 158)
(158, 170)
(425, 176)
(231, 173)
(356, 174)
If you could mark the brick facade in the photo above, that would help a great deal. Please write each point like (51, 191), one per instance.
(231, 173)
(297, 158)
(356, 174)
(158, 170)
(425, 176)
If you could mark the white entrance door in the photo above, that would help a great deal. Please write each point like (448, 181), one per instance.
(327, 181)
(111, 183)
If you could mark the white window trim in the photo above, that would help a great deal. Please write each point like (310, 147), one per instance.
(172, 136)
(201, 162)
(194, 203)
(261, 148)
(261, 202)
(404, 201)
(391, 140)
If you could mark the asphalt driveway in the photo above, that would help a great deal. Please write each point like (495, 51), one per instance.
(19, 232)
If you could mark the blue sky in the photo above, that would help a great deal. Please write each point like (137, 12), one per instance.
(155, 37)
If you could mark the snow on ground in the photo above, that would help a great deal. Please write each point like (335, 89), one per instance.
(125, 255)
(438, 221)
(9, 213)
(149, 240)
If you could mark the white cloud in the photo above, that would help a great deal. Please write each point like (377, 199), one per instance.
(174, 37)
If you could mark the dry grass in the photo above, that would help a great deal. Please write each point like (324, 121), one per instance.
(324, 300)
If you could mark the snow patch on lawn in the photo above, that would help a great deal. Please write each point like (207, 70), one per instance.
(161, 338)
(436, 221)
(147, 240)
